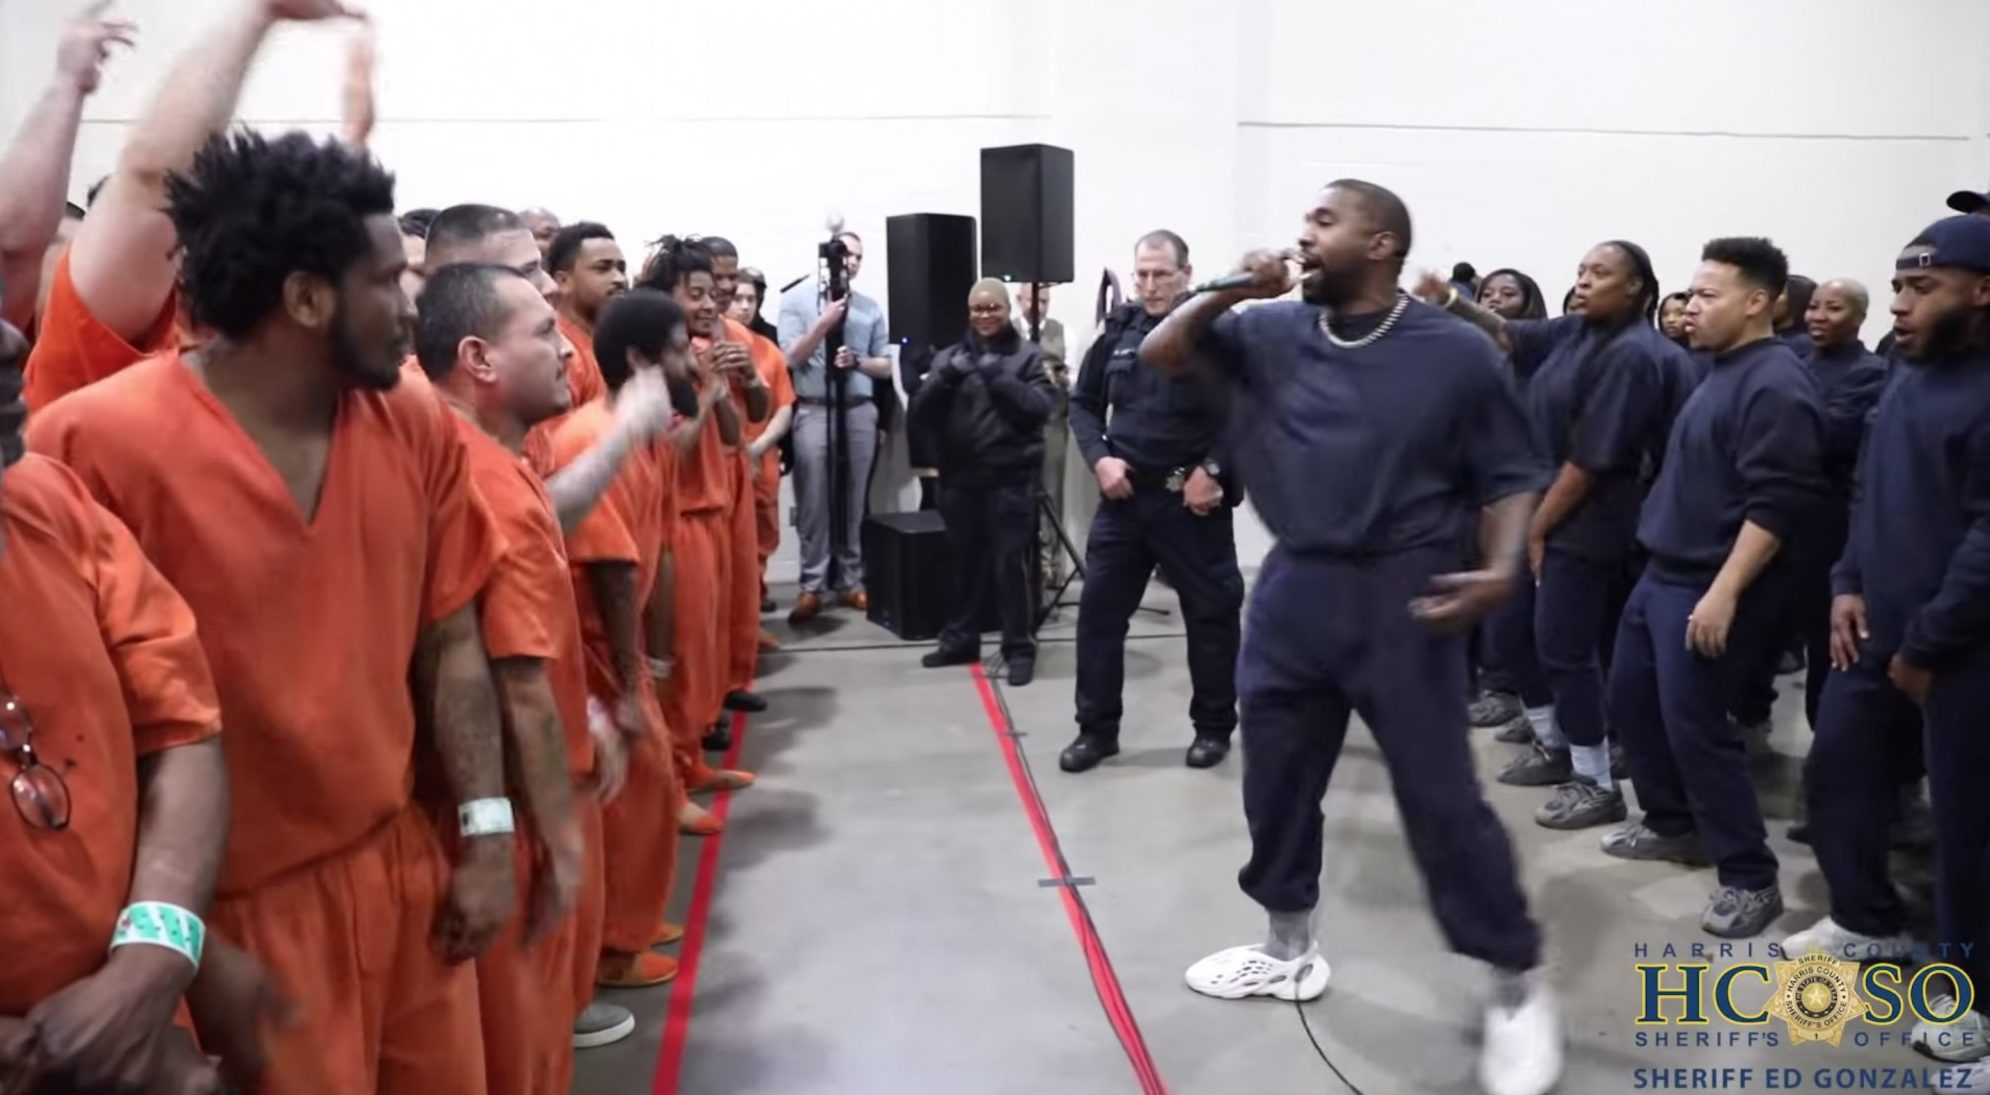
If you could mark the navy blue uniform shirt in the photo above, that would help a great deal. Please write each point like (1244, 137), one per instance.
(1920, 544)
(1748, 446)
(1849, 379)
(1372, 451)
(1157, 422)
(1601, 399)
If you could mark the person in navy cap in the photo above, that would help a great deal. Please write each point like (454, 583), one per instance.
(1373, 431)
(1911, 638)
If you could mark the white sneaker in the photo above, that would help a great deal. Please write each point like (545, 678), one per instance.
(1522, 1054)
(1827, 936)
(1965, 1040)
(1248, 971)
(602, 1024)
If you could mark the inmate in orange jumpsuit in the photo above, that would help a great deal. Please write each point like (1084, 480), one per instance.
(101, 653)
(749, 552)
(584, 386)
(706, 482)
(72, 348)
(310, 622)
(632, 524)
(767, 471)
(526, 991)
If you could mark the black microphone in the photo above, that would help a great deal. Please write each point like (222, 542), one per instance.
(1245, 279)
(1227, 281)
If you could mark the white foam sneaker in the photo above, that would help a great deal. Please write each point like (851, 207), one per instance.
(1522, 1054)
(1827, 936)
(1248, 971)
(1965, 1040)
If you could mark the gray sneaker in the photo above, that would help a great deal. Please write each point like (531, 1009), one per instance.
(1638, 842)
(602, 1025)
(1581, 804)
(1495, 709)
(1538, 767)
(1517, 732)
(1735, 913)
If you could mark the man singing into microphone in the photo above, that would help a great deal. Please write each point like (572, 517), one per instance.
(1373, 432)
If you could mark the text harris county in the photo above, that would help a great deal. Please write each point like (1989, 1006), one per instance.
(1821, 1078)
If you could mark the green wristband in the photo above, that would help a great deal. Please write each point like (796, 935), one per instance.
(157, 924)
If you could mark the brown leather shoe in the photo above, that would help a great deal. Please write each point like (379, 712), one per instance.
(807, 607)
(858, 600)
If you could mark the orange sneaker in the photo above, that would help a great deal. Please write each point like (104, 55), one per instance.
(719, 779)
(615, 970)
(695, 820)
(667, 933)
(768, 641)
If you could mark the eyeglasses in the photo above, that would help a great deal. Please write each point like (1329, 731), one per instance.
(38, 791)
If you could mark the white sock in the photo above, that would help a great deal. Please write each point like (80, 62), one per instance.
(1511, 989)
(1592, 762)
(1291, 935)
(1546, 731)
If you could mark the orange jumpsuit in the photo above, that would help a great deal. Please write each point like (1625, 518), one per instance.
(707, 488)
(756, 529)
(632, 524)
(773, 369)
(72, 348)
(333, 879)
(526, 991)
(101, 653)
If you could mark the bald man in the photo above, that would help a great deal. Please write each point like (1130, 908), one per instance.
(544, 226)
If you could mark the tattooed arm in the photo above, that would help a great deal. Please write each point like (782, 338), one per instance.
(453, 685)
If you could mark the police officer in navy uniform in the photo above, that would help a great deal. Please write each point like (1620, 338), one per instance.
(1152, 441)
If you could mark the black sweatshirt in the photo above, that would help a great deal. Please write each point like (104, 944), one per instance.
(1920, 544)
(1849, 378)
(1747, 447)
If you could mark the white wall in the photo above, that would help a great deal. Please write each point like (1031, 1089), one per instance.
(1520, 133)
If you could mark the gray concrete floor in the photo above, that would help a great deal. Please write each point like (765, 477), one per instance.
(877, 924)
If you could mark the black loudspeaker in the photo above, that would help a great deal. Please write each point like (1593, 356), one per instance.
(907, 573)
(905, 567)
(1026, 213)
(931, 263)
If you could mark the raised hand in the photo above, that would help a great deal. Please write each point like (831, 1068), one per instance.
(86, 45)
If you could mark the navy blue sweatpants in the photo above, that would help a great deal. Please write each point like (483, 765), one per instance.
(1327, 637)
(1864, 728)
(1958, 754)
(1669, 707)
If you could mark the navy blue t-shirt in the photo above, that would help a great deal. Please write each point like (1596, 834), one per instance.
(1601, 399)
(1848, 378)
(1748, 446)
(1373, 451)
(1920, 543)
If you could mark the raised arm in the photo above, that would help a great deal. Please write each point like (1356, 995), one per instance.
(642, 410)
(1435, 290)
(34, 176)
(122, 261)
(1175, 345)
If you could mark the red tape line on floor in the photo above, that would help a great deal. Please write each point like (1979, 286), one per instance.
(1104, 979)
(677, 1021)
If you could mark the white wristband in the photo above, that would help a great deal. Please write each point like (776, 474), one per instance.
(485, 817)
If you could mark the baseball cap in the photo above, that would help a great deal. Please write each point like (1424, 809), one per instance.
(1959, 242)
(1969, 201)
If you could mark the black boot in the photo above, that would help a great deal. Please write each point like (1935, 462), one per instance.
(748, 702)
(1084, 754)
(718, 739)
(1207, 752)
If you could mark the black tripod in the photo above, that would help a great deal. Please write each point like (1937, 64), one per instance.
(836, 287)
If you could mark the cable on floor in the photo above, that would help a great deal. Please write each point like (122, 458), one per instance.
(992, 670)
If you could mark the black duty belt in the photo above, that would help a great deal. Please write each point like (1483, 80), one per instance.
(1171, 480)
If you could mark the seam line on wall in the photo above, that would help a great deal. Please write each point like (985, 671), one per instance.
(1588, 131)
